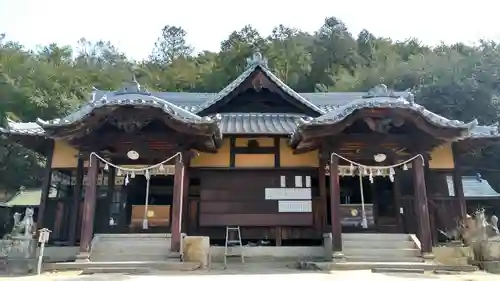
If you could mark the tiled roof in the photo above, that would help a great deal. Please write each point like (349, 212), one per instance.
(30, 128)
(230, 123)
(474, 187)
(257, 61)
(259, 123)
(491, 131)
(333, 107)
(341, 112)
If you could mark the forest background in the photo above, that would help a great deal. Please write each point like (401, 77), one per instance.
(458, 81)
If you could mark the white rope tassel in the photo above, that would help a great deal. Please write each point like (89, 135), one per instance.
(146, 204)
(364, 222)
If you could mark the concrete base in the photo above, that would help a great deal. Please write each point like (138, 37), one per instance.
(59, 253)
(275, 253)
(456, 255)
(491, 266)
(428, 256)
(82, 257)
(338, 257)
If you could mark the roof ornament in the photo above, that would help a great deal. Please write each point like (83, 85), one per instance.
(256, 59)
(380, 90)
(132, 87)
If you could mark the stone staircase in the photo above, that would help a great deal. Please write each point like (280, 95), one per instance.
(380, 247)
(134, 247)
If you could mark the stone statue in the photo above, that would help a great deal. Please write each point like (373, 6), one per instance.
(23, 227)
(494, 224)
(19, 246)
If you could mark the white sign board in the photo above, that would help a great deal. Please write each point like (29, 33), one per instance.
(288, 193)
(295, 206)
(43, 237)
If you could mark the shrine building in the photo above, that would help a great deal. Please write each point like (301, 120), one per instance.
(288, 168)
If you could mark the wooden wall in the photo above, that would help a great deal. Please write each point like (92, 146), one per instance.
(442, 157)
(238, 198)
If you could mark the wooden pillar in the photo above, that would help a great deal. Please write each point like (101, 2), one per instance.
(75, 208)
(45, 187)
(185, 193)
(458, 184)
(323, 161)
(335, 205)
(109, 195)
(89, 206)
(397, 198)
(179, 184)
(421, 207)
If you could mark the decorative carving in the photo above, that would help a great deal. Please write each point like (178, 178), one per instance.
(411, 98)
(132, 87)
(380, 90)
(129, 124)
(256, 59)
(379, 125)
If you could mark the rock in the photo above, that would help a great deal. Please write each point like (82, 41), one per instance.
(197, 249)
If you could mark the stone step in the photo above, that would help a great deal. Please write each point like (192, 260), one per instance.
(375, 237)
(118, 247)
(157, 265)
(128, 257)
(378, 244)
(394, 265)
(382, 253)
(133, 235)
(365, 258)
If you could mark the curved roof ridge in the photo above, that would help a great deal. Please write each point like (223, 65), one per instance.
(126, 98)
(338, 114)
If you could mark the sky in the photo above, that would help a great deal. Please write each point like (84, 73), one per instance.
(134, 26)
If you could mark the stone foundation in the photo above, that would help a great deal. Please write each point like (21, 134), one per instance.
(453, 255)
(197, 249)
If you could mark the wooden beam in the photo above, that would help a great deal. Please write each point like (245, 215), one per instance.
(45, 187)
(368, 140)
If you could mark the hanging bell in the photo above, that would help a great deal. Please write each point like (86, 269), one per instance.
(118, 172)
(132, 175)
(392, 171)
(106, 167)
(405, 167)
(379, 172)
(161, 168)
(351, 169)
(371, 176)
